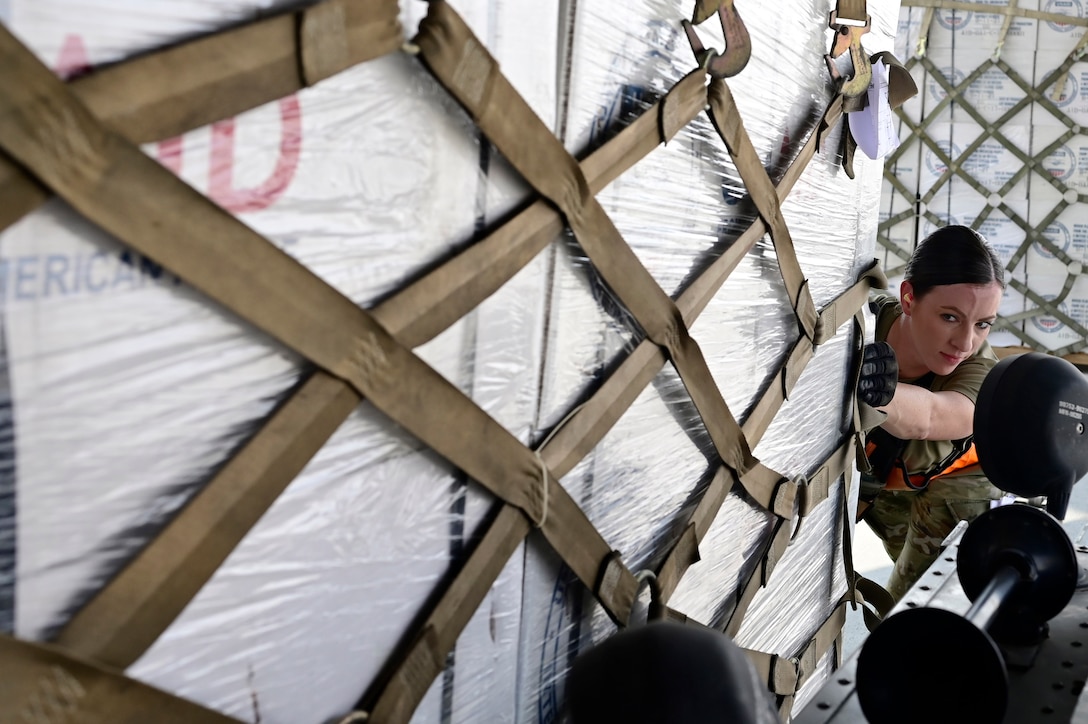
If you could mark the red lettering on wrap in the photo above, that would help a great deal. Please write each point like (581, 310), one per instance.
(221, 180)
(72, 60)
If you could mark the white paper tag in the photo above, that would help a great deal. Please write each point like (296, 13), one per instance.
(874, 126)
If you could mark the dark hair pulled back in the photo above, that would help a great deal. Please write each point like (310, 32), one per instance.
(953, 255)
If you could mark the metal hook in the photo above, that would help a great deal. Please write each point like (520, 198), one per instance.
(848, 37)
(738, 45)
(656, 610)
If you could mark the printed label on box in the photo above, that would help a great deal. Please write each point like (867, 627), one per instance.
(934, 164)
(1057, 35)
(993, 93)
(1067, 96)
(1076, 309)
(980, 27)
(1068, 236)
(936, 91)
(1004, 236)
(992, 164)
(943, 220)
(1068, 163)
(1052, 331)
(1073, 8)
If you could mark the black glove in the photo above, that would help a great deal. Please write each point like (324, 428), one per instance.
(879, 374)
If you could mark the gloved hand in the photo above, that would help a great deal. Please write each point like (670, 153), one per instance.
(879, 374)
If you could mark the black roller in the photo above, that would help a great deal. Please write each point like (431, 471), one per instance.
(934, 666)
(1019, 569)
(1035, 545)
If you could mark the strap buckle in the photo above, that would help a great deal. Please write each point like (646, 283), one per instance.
(738, 45)
(848, 37)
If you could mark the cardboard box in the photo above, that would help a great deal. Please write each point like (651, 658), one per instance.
(992, 165)
(933, 89)
(1069, 97)
(1006, 238)
(979, 29)
(1052, 333)
(909, 33)
(1067, 231)
(901, 235)
(1057, 36)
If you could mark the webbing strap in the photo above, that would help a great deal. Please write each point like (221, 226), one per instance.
(759, 419)
(583, 430)
(766, 487)
(126, 616)
(685, 552)
(394, 695)
(461, 63)
(113, 164)
(812, 494)
(114, 184)
(167, 92)
(1009, 9)
(38, 683)
(843, 308)
(726, 119)
(698, 294)
(785, 675)
(855, 10)
(878, 601)
(407, 683)
(770, 554)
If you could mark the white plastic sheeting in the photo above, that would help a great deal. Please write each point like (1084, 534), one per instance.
(127, 390)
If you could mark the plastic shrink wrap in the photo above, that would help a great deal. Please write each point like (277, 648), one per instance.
(125, 390)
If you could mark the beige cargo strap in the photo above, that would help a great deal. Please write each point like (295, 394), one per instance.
(786, 675)
(815, 492)
(461, 63)
(39, 683)
(126, 616)
(1010, 9)
(875, 599)
(400, 692)
(847, 303)
(726, 119)
(112, 183)
(861, 462)
(853, 11)
(394, 695)
(167, 92)
(324, 399)
(410, 673)
(845, 306)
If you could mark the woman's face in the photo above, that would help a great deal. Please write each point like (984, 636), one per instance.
(950, 322)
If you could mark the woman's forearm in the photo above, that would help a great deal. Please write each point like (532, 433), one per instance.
(915, 413)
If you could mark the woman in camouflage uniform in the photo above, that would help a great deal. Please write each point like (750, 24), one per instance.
(924, 468)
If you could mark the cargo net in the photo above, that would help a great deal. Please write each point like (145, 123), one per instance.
(997, 142)
(79, 141)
